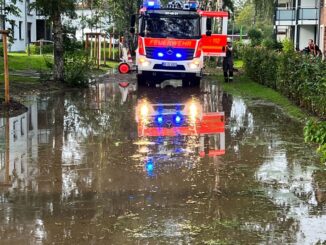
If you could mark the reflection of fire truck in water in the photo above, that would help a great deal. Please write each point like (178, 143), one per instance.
(179, 133)
(173, 41)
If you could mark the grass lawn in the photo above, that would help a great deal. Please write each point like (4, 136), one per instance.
(246, 88)
(21, 61)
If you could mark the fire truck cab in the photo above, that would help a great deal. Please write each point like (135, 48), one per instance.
(173, 40)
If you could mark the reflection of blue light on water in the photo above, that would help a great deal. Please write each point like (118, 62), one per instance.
(159, 119)
(178, 119)
(178, 150)
(150, 167)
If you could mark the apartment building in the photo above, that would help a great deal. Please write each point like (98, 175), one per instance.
(26, 28)
(322, 30)
(298, 20)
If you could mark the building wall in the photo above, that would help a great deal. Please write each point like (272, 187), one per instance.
(323, 27)
(21, 26)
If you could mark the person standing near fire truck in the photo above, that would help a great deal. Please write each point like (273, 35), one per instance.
(228, 61)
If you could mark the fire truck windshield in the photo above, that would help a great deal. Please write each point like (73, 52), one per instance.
(172, 26)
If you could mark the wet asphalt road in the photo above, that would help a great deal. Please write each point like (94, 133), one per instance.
(77, 168)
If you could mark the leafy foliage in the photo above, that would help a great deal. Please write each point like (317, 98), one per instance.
(256, 36)
(77, 69)
(35, 49)
(316, 132)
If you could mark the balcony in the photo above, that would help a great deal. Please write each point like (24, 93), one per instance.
(285, 17)
(308, 16)
(300, 16)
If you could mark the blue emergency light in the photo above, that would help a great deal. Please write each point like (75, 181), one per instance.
(152, 4)
(190, 5)
(193, 5)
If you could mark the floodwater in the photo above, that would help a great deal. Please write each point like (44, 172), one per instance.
(77, 168)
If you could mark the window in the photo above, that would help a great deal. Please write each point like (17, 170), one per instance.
(13, 29)
(20, 30)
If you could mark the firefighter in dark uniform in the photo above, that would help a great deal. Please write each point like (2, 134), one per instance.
(228, 62)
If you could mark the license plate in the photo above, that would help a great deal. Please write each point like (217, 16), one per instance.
(169, 64)
(168, 111)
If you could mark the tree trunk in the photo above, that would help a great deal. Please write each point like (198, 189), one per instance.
(58, 69)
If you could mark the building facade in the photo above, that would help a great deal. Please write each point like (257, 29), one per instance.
(26, 28)
(298, 20)
(322, 30)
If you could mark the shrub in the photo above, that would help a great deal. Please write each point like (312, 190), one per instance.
(255, 36)
(300, 77)
(77, 69)
(288, 46)
(260, 65)
(35, 49)
(271, 44)
(316, 132)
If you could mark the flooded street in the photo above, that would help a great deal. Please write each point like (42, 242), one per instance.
(79, 168)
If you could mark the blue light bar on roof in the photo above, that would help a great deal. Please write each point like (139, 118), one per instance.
(152, 4)
(190, 5)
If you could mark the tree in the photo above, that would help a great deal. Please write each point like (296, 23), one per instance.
(54, 10)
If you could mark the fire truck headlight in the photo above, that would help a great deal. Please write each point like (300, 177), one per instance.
(195, 64)
(144, 62)
(160, 54)
(178, 55)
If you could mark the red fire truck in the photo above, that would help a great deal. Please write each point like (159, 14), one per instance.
(173, 41)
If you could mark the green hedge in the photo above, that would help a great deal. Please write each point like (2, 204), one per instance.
(35, 49)
(301, 78)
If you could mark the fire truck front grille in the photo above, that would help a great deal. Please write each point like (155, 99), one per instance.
(171, 54)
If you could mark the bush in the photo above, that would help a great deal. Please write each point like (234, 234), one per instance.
(77, 69)
(299, 77)
(260, 65)
(1, 50)
(288, 46)
(272, 44)
(238, 49)
(255, 37)
(316, 132)
(35, 49)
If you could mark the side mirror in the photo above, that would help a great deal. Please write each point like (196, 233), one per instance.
(132, 30)
(209, 33)
(133, 20)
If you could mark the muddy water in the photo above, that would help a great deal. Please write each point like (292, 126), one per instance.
(75, 169)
